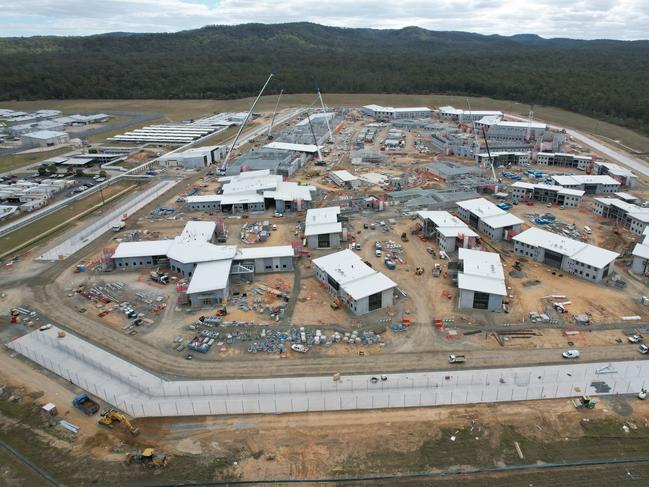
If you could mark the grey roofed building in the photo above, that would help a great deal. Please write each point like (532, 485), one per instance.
(450, 170)
(281, 162)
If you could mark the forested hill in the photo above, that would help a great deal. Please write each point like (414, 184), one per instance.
(606, 79)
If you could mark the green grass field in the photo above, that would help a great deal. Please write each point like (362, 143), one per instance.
(185, 109)
(7, 163)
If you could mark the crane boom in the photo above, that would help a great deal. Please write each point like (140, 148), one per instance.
(324, 111)
(234, 142)
(315, 140)
(491, 162)
(272, 121)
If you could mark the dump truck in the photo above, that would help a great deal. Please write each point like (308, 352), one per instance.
(456, 359)
(85, 404)
(148, 457)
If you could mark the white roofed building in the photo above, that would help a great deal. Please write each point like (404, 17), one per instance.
(344, 178)
(591, 184)
(459, 115)
(487, 218)
(578, 258)
(206, 266)
(391, 113)
(250, 192)
(640, 264)
(322, 228)
(547, 193)
(194, 158)
(627, 215)
(481, 280)
(449, 231)
(44, 138)
(357, 286)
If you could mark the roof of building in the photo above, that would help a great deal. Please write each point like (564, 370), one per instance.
(584, 179)
(354, 276)
(344, 176)
(237, 198)
(210, 276)
(246, 253)
(192, 251)
(77, 161)
(142, 249)
(319, 221)
(308, 148)
(447, 224)
(489, 213)
(625, 196)
(482, 272)
(641, 250)
(290, 191)
(549, 187)
(45, 134)
(373, 177)
(579, 251)
(198, 230)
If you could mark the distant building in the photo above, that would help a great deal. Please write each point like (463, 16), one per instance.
(249, 191)
(463, 116)
(503, 158)
(564, 160)
(345, 179)
(390, 113)
(44, 138)
(194, 158)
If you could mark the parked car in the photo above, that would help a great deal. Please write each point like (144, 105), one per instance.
(357, 246)
(571, 354)
(377, 252)
(635, 338)
(45, 327)
(644, 349)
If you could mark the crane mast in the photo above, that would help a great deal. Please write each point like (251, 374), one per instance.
(234, 142)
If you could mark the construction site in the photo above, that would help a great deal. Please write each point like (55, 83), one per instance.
(336, 265)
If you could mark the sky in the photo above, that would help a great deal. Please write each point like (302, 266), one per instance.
(580, 19)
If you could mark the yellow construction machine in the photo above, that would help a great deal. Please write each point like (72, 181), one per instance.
(149, 458)
(111, 416)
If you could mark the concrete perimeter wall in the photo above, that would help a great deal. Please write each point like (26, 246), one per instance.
(142, 394)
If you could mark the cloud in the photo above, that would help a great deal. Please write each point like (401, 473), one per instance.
(584, 19)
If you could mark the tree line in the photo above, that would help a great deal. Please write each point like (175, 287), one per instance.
(605, 79)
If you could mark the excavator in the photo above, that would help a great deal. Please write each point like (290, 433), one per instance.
(111, 416)
(149, 458)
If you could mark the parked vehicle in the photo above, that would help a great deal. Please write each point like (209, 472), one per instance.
(378, 252)
(635, 338)
(456, 359)
(85, 404)
(644, 349)
(571, 354)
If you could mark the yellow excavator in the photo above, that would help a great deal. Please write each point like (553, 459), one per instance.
(111, 416)
(149, 458)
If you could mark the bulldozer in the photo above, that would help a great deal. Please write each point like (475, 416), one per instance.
(148, 457)
(111, 416)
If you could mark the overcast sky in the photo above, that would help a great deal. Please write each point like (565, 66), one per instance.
(582, 19)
